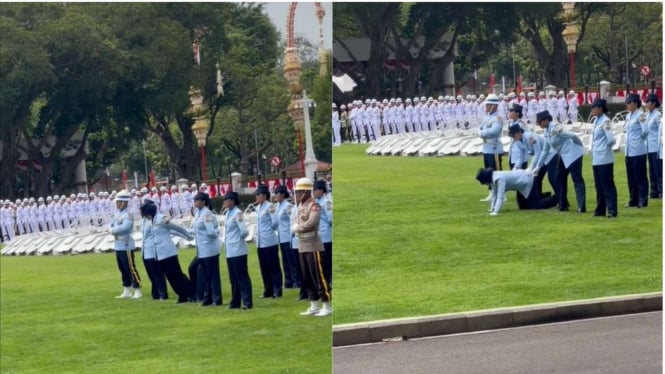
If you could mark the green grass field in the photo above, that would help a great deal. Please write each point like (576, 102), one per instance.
(412, 238)
(59, 315)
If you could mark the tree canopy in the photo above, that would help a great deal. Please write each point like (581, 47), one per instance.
(95, 80)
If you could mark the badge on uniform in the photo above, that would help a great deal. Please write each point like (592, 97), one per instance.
(329, 205)
(239, 217)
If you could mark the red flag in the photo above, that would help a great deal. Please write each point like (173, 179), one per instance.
(492, 82)
(519, 84)
(151, 178)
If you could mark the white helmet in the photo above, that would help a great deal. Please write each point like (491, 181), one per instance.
(174, 188)
(522, 94)
(162, 188)
(154, 189)
(144, 190)
(492, 99)
(571, 92)
(40, 200)
(561, 93)
(531, 94)
(123, 195)
(303, 184)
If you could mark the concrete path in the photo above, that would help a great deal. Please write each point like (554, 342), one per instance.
(608, 345)
(455, 323)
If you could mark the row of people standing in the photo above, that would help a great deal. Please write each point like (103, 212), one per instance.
(159, 254)
(560, 152)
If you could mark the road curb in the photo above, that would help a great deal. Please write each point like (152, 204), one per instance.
(454, 323)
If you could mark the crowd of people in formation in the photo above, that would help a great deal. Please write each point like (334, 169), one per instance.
(363, 122)
(94, 209)
(299, 228)
(558, 153)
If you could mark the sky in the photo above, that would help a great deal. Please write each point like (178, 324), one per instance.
(306, 23)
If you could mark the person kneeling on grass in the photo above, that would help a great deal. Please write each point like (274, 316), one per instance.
(529, 195)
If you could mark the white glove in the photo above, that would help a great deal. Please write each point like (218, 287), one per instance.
(294, 227)
(494, 214)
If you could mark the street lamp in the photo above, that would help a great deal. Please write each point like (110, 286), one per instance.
(570, 35)
(200, 127)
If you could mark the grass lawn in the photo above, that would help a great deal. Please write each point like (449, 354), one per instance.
(59, 315)
(412, 238)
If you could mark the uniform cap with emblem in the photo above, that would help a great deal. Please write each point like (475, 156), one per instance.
(544, 115)
(123, 196)
(303, 184)
(651, 98)
(517, 109)
(148, 208)
(262, 189)
(232, 196)
(283, 190)
(514, 129)
(492, 99)
(634, 98)
(320, 185)
(202, 196)
(600, 103)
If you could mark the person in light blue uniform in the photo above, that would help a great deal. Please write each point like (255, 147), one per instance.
(654, 120)
(206, 234)
(602, 161)
(157, 244)
(235, 232)
(520, 180)
(121, 228)
(636, 152)
(325, 227)
(266, 243)
(518, 156)
(284, 207)
(571, 150)
(155, 274)
(490, 132)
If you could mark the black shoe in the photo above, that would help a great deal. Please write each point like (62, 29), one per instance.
(247, 307)
(289, 285)
(581, 210)
(564, 209)
(234, 306)
(301, 298)
(596, 214)
(206, 303)
(181, 301)
(630, 206)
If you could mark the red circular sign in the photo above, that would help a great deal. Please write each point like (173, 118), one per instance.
(645, 70)
(275, 161)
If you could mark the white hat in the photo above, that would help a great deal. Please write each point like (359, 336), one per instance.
(541, 93)
(40, 200)
(144, 190)
(408, 100)
(423, 98)
(162, 188)
(492, 99)
(123, 196)
(531, 94)
(522, 94)
(154, 189)
(174, 187)
(334, 105)
(482, 96)
(303, 184)
(561, 93)
(571, 92)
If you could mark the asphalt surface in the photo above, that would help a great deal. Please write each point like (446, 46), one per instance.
(620, 344)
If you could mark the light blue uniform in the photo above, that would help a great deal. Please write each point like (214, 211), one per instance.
(602, 141)
(206, 233)
(235, 232)
(654, 120)
(295, 242)
(121, 229)
(636, 134)
(284, 221)
(502, 181)
(325, 222)
(518, 153)
(490, 132)
(157, 243)
(534, 145)
(266, 224)
(565, 143)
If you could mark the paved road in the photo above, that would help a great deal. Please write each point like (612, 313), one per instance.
(622, 345)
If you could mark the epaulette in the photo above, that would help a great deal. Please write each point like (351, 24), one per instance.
(558, 129)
